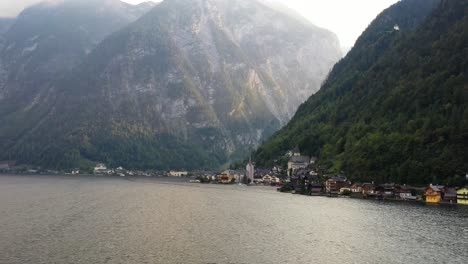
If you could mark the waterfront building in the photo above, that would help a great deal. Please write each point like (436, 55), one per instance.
(368, 189)
(266, 179)
(315, 188)
(386, 190)
(450, 195)
(225, 178)
(100, 168)
(229, 176)
(356, 187)
(462, 196)
(334, 184)
(434, 193)
(177, 173)
(404, 193)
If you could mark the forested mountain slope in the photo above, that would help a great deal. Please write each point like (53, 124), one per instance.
(396, 108)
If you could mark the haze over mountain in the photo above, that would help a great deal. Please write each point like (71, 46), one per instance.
(191, 84)
(336, 15)
(395, 109)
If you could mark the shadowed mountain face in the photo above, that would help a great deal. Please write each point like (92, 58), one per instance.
(395, 109)
(5, 24)
(191, 84)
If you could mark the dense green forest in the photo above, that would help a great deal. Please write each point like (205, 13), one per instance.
(396, 108)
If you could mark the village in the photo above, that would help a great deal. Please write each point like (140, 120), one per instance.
(302, 176)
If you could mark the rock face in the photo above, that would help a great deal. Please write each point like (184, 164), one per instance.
(191, 84)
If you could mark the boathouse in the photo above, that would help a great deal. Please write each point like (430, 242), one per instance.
(462, 196)
(434, 193)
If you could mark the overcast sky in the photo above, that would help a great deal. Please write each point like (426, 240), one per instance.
(347, 18)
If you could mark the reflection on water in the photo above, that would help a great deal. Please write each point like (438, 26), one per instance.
(114, 220)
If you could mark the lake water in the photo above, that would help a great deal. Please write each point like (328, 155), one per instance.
(45, 219)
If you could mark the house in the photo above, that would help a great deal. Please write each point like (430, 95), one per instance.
(404, 193)
(177, 173)
(229, 176)
(259, 173)
(275, 180)
(296, 162)
(368, 189)
(387, 190)
(462, 196)
(315, 188)
(356, 188)
(270, 180)
(267, 179)
(434, 193)
(100, 168)
(450, 195)
(334, 184)
(225, 178)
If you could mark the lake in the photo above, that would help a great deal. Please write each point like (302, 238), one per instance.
(79, 219)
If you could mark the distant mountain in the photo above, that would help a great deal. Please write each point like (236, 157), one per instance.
(46, 42)
(191, 84)
(396, 107)
(53, 36)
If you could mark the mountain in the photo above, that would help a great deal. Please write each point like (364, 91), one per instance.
(44, 44)
(52, 37)
(5, 24)
(396, 107)
(191, 84)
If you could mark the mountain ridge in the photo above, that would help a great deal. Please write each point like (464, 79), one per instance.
(394, 109)
(184, 86)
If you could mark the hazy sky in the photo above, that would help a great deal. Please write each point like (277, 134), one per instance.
(347, 18)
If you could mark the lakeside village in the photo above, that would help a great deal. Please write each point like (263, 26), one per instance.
(302, 176)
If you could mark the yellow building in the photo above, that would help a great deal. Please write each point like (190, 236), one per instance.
(462, 196)
(434, 194)
(225, 178)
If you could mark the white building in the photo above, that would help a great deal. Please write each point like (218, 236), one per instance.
(177, 173)
(100, 168)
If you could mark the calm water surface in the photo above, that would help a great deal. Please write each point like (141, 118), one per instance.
(115, 220)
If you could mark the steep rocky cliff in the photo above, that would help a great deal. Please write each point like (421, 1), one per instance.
(191, 84)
